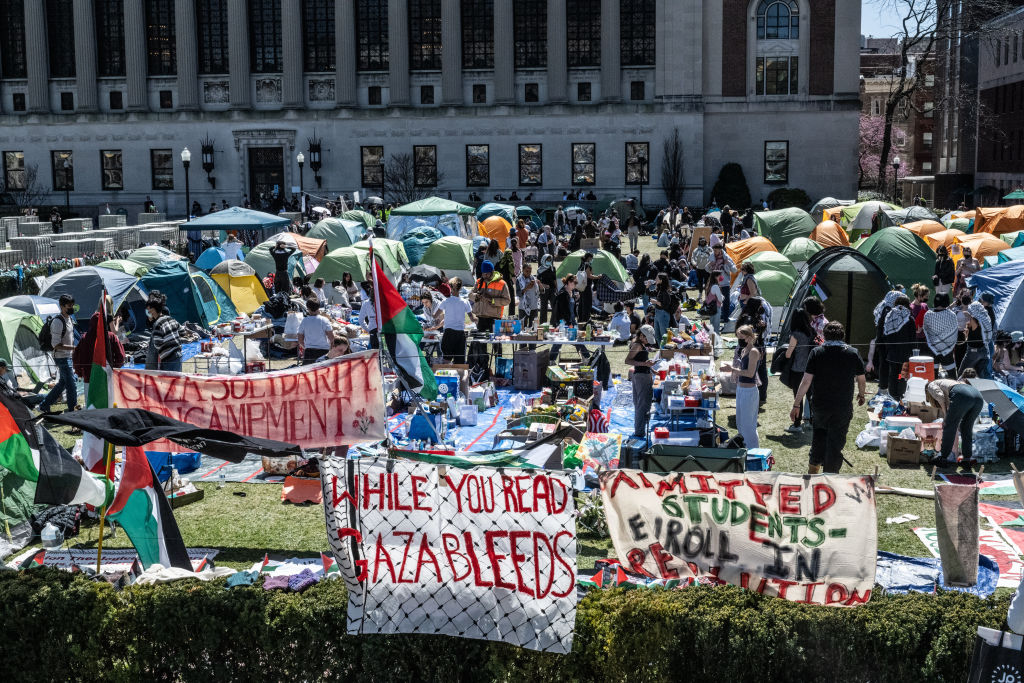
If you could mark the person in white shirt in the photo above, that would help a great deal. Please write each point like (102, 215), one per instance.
(316, 336)
(368, 316)
(546, 241)
(318, 291)
(529, 296)
(232, 248)
(336, 295)
(455, 309)
(620, 322)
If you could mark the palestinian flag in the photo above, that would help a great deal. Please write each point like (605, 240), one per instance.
(141, 508)
(36, 560)
(330, 566)
(394, 317)
(31, 452)
(98, 390)
(819, 288)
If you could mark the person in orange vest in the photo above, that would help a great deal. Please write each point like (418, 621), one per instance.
(489, 296)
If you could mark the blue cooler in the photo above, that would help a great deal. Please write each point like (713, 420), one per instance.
(447, 386)
(759, 459)
(186, 462)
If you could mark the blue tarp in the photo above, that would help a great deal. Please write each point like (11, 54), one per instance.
(1005, 282)
(901, 574)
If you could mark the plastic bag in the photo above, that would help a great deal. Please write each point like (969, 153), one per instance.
(869, 438)
(291, 324)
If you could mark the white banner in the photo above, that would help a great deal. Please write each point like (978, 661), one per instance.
(802, 538)
(478, 553)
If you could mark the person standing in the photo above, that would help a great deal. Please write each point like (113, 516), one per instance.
(747, 398)
(455, 310)
(585, 284)
(940, 327)
(944, 274)
(724, 263)
(529, 299)
(832, 370)
(316, 335)
(876, 349)
(164, 352)
(701, 259)
(900, 335)
(979, 340)
(633, 231)
(232, 247)
(281, 253)
(639, 358)
(801, 342)
(967, 267)
(714, 300)
(665, 303)
(959, 404)
(489, 297)
(919, 307)
(63, 343)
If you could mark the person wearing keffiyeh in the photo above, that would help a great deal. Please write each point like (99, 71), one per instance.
(876, 350)
(900, 336)
(940, 328)
(979, 341)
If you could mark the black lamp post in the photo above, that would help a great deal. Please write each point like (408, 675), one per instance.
(67, 187)
(301, 159)
(643, 178)
(895, 177)
(186, 159)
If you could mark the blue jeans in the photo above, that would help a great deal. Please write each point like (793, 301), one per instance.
(661, 324)
(65, 383)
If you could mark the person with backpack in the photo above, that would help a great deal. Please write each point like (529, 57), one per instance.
(164, 351)
(57, 336)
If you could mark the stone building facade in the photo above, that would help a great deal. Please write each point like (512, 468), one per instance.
(999, 168)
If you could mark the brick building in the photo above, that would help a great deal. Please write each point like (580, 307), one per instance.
(1000, 158)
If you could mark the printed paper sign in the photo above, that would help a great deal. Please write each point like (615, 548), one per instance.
(315, 406)
(478, 553)
(805, 539)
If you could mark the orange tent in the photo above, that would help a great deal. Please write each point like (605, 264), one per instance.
(982, 245)
(834, 214)
(830, 234)
(999, 220)
(744, 249)
(943, 238)
(925, 227)
(495, 228)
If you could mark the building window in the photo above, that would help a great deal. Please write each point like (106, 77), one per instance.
(1006, 51)
(876, 106)
(776, 161)
(929, 80)
(18, 101)
(161, 163)
(212, 36)
(372, 35)
(530, 33)
(1015, 43)
(12, 37)
(372, 161)
(638, 163)
(67, 101)
(778, 20)
(583, 91)
(777, 76)
(531, 93)
(479, 93)
(584, 158)
(160, 49)
(426, 94)
(60, 36)
(373, 95)
(999, 45)
(63, 175)
(477, 34)
(478, 165)
(637, 32)
(425, 35)
(637, 90)
(110, 167)
(424, 166)
(14, 171)
(530, 167)
(583, 32)
(110, 37)
(265, 37)
(116, 99)
(166, 99)
(929, 109)
(318, 34)
(926, 166)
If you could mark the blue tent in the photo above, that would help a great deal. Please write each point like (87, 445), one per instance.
(531, 217)
(211, 257)
(416, 242)
(192, 295)
(1005, 282)
(1013, 254)
(87, 283)
(506, 211)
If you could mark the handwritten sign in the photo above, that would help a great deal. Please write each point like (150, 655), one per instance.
(805, 539)
(992, 544)
(315, 406)
(478, 553)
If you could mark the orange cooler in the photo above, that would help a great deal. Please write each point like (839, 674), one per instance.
(923, 367)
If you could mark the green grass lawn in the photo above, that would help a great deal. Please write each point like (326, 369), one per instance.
(244, 528)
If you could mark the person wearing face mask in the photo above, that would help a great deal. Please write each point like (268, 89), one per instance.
(714, 300)
(164, 352)
(61, 333)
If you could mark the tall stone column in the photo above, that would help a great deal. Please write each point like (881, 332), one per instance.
(504, 53)
(238, 53)
(558, 69)
(85, 55)
(398, 49)
(37, 57)
(611, 56)
(345, 53)
(451, 52)
(291, 49)
(186, 49)
(135, 66)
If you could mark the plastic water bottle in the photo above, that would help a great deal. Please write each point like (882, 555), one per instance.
(51, 536)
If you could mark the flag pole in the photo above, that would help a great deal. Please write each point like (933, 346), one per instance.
(377, 321)
(109, 447)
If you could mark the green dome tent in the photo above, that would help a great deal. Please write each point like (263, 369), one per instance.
(360, 216)
(192, 295)
(856, 218)
(904, 257)
(125, 266)
(772, 261)
(153, 256)
(801, 250)
(392, 251)
(959, 224)
(453, 255)
(775, 285)
(604, 264)
(356, 262)
(19, 344)
(784, 225)
(263, 263)
(338, 232)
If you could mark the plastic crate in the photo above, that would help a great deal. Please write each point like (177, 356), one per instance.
(665, 458)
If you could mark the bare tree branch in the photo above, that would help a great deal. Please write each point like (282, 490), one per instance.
(672, 179)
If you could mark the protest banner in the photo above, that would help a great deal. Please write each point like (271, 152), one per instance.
(477, 553)
(326, 404)
(992, 544)
(805, 539)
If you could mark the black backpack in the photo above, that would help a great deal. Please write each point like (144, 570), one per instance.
(46, 334)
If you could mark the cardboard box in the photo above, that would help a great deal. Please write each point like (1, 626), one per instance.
(926, 411)
(529, 368)
(903, 451)
(590, 244)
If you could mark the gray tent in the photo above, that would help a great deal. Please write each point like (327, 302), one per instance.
(907, 215)
(86, 284)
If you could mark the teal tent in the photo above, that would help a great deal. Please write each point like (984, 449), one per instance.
(417, 241)
(1014, 254)
(192, 295)
(531, 217)
(506, 211)
(784, 225)
(904, 257)
(1014, 239)
(338, 232)
(237, 218)
(209, 258)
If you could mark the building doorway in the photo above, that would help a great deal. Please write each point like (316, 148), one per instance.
(266, 177)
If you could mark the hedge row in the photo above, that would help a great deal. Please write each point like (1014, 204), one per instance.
(56, 626)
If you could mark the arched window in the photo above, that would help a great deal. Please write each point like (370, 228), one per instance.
(778, 20)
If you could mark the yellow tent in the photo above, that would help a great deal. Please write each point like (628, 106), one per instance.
(495, 228)
(925, 227)
(943, 238)
(239, 282)
(830, 234)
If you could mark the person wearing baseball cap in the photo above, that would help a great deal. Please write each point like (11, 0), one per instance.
(640, 359)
